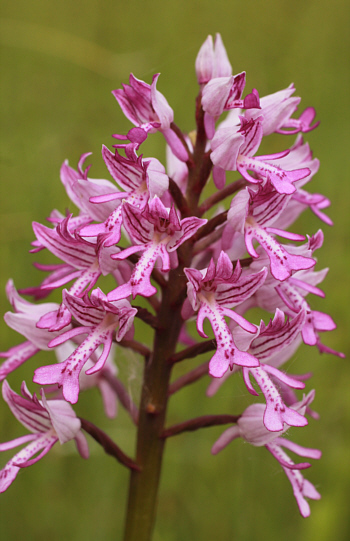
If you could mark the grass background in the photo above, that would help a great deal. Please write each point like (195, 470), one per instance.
(60, 61)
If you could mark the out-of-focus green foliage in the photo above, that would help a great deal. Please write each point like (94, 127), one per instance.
(60, 60)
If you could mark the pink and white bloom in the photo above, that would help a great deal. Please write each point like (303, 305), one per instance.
(87, 261)
(292, 293)
(277, 109)
(271, 344)
(99, 379)
(253, 214)
(251, 428)
(233, 149)
(141, 179)
(212, 292)
(100, 319)
(158, 233)
(149, 111)
(49, 421)
(144, 106)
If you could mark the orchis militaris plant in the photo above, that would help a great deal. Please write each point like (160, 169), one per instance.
(192, 257)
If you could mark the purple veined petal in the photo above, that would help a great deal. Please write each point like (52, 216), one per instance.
(68, 178)
(57, 320)
(253, 133)
(224, 268)
(274, 338)
(194, 277)
(266, 205)
(189, 226)
(237, 88)
(276, 108)
(140, 230)
(128, 173)
(72, 251)
(125, 105)
(61, 281)
(28, 411)
(123, 254)
(84, 310)
(230, 295)
(139, 94)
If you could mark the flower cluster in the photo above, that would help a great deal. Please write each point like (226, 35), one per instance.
(155, 234)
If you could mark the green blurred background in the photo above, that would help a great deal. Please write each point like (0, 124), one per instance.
(60, 60)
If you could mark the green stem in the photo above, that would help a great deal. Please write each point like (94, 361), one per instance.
(144, 484)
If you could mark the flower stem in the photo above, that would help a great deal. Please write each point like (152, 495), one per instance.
(143, 489)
